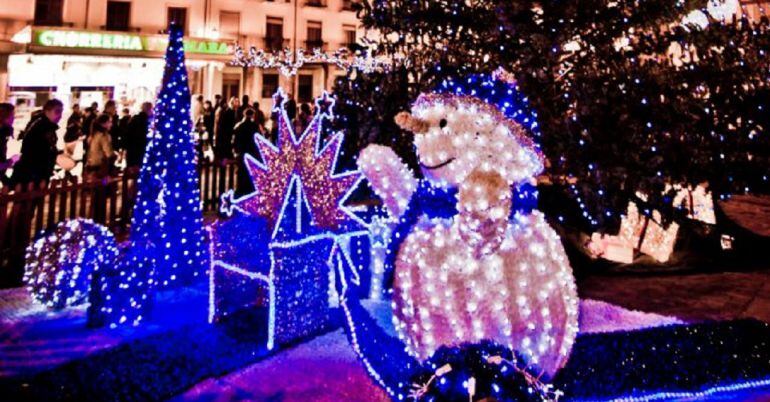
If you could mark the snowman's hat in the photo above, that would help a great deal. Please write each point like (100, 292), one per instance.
(496, 93)
(498, 89)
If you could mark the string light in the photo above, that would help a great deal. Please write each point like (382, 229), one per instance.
(308, 160)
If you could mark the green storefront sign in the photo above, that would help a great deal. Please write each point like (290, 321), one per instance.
(122, 41)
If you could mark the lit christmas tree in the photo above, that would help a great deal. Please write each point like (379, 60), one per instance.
(167, 223)
(630, 96)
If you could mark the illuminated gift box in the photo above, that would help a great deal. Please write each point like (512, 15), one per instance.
(636, 232)
(288, 285)
(613, 248)
(658, 241)
(286, 247)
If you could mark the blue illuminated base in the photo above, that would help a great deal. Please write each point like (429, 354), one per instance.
(303, 303)
(663, 363)
(291, 283)
(676, 361)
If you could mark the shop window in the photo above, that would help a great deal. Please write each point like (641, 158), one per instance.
(269, 85)
(118, 15)
(49, 12)
(305, 88)
(178, 16)
(230, 24)
(350, 35)
(314, 37)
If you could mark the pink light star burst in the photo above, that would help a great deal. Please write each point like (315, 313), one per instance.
(314, 166)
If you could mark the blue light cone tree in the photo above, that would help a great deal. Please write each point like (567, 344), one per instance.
(167, 247)
(167, 225)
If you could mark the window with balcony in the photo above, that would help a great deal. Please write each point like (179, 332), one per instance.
(269, 84)
(347, 5)
(178, 16)
(49, 12)
(118, 15)
(230, 24)
(350, 35)
(305, 88)
(274, 34)
(314, 36)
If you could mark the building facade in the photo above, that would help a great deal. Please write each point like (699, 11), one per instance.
(84, 51)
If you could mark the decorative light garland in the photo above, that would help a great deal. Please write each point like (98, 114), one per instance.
(289, 62)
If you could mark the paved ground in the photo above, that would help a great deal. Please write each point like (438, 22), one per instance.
(717, 296)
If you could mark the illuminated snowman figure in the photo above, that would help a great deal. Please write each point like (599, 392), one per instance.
(464, 267)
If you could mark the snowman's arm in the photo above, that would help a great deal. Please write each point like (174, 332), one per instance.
(390, 178)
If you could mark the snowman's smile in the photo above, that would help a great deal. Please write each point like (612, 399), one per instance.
(440, 165)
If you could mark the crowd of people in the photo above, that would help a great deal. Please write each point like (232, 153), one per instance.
(224, 129)
(107, 140)
(228, 128)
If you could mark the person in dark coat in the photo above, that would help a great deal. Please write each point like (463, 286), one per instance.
(303, 120)
(6, 132)
(125, 118)
(259, 117)
(33, 118)
(117, 136)
(243, 143)
(223, 132)
(136, 136)
(218, 102)
(291, 109)
(89, 114)
(38, 149)
(76, 117)
(273, 137)
(242, 108)
(209, 115)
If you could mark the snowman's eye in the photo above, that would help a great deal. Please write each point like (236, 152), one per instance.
(442, 123)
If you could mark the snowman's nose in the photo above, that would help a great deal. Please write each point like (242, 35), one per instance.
(411, 123)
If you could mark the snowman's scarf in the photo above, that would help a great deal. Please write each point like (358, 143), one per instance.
(434, 202)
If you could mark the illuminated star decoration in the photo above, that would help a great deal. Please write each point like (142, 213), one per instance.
(304, 162)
